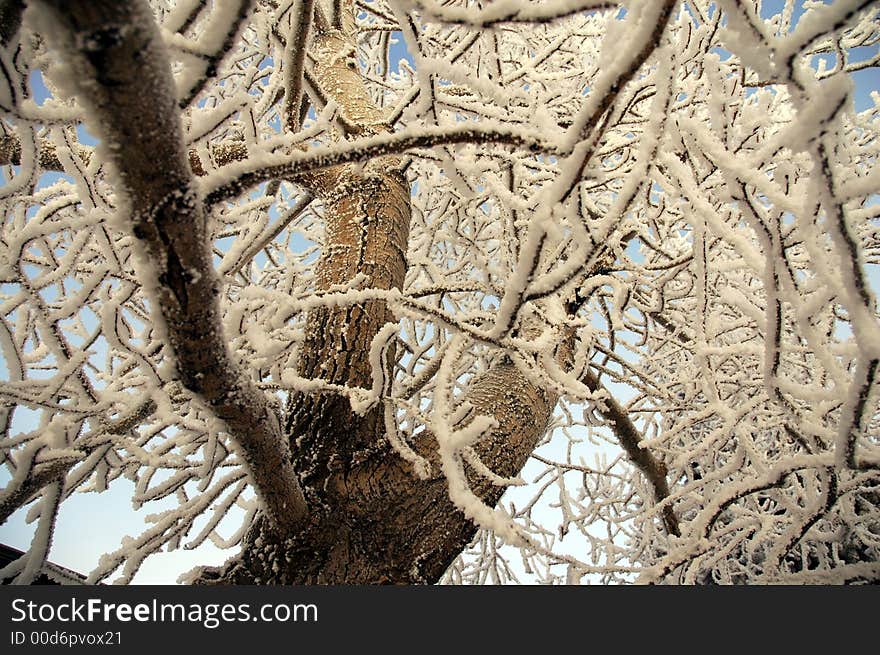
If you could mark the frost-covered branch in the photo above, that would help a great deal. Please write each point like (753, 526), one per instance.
(508, 11)
(295, 57)
(536, 291)
(230, 20)
(108, 44)
(10, 20)
(38, 474)
(654, 470)
(236, 180)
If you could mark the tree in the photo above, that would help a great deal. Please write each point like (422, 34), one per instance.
(381, 297)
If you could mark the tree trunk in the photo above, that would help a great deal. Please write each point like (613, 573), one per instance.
(379, 523)
(373, 520)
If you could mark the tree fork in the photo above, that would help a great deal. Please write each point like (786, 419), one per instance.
(376, 521)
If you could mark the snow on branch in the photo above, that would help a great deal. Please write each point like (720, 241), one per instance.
(579, 293)
(236, 179)
(108, 43)
(507, 11)
(295, 57)
(216, 42)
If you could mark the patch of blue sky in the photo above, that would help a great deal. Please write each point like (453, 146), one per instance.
(771, 8)
(635, 251)
(85, 137)
(275, 123)
(397, 51)
(866, 81)
(106, 531)
(722, 53)
(39, 92)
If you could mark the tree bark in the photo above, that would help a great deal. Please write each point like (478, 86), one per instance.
(374, 520)
(380, 523)
(125, 82)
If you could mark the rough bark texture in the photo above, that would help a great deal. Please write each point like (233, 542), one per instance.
(10, 153)
(373, 520)
(10, 20)
(383, 525)
(115, 49)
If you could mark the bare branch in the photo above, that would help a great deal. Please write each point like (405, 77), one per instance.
(294, 61)
(109, 43)
(629, 437)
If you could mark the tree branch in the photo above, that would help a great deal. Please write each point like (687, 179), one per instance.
(266, 238)
(10, 153)
(223, 153)
(294, 62)
(629, 437)
(511, 12)
(124, 81)
(42, 474)
(213, 61)
(10, 20)
(236, 180)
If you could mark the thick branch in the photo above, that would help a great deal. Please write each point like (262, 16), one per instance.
(222, 153)
(628, 436)
(367, 219)
(10, 20)
(125, 82)
(237, 180)
(294, 62)
(385, 524)
(512, 12)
